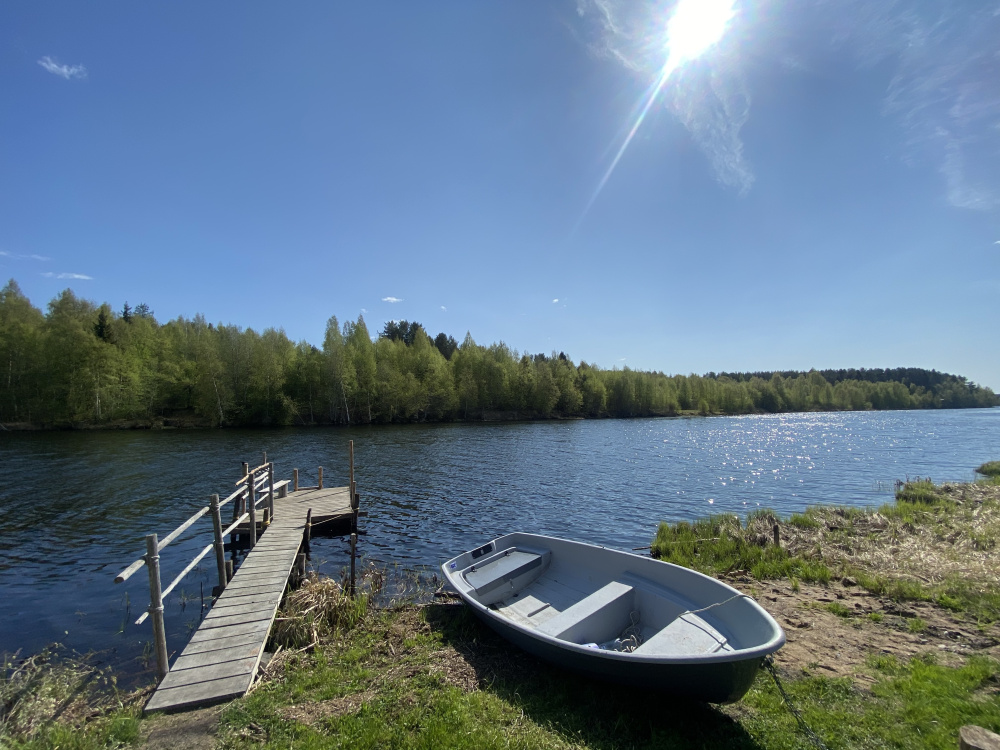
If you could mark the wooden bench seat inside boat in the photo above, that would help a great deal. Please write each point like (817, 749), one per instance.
(501, 570)
(595, 618)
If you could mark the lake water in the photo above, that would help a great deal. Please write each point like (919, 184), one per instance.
(77, 505)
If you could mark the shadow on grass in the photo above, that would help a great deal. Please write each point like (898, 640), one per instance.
(594, 713)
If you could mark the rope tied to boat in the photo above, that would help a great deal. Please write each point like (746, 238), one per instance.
(717, 604)
(809, 733)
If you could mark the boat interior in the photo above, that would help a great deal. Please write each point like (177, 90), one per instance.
(629, 613)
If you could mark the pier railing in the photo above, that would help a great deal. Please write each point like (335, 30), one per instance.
(255, 490)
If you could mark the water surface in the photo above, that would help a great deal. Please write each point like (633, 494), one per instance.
(77, 505)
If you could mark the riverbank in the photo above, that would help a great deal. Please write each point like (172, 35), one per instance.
(893, 639)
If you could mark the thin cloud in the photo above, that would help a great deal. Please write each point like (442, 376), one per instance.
(19, 256)
(942, 92)
(63, 71)
(392, 300)
(444, 309)
(555, 300)
(710, 98)
(77, 276)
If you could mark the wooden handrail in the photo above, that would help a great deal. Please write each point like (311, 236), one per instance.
(199, 558)
(250, 473)
(135, 566)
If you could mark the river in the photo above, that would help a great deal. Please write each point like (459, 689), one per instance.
(77, 505)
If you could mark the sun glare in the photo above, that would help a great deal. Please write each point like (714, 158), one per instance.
(695, 26)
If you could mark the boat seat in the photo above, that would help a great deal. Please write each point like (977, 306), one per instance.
(501, 570)
(595, 618)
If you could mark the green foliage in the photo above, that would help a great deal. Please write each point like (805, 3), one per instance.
(80, 363)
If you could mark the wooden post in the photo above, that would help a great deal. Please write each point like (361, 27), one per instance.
(270, 482)
(295, 480)
(350, 464)
(238, 502)
(308, 531)
(156, 605)
(252, 507)
(320, 485)
(354, 547)
(229, 570)
(265, 458)
(220, 552)
(777, 536)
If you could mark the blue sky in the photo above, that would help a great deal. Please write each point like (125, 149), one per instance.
(820, 188)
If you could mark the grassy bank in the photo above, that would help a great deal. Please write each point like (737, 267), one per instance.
(893, 641)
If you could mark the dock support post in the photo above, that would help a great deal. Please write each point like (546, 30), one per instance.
(252, 503)
(308, 532)
(220, 552)
(320, 477)
(238, 503)
(354, 547)
(777, 535)
(156, 605)
(295, 480)
(229, 570)
(270, 483)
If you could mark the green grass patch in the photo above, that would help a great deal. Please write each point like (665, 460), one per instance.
(719, 544)
(839, 609)
(369, 691)
(989, 469)
(920, 492)
(916, 625)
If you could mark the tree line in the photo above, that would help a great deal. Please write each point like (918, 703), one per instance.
(84, 364)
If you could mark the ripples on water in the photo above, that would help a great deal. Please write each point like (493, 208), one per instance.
(77, 505)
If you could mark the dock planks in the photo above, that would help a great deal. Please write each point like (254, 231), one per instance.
(221, 659)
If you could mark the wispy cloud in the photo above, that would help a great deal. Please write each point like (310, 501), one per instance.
(78, 276)
(392, 300)
(444, 309)
(942, 93)
(555, 300)
(19, 256)
(63, 71)
(711, 98)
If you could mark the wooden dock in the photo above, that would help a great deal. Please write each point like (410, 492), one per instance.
(221, 659)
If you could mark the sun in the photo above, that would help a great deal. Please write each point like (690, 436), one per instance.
(694, 26)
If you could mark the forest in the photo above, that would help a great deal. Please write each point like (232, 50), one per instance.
(83, 365)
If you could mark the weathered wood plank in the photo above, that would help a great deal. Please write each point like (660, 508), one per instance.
(212, 691)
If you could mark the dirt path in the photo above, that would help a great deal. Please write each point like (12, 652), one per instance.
(821, 642)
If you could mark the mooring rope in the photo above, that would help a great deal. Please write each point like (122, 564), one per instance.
(717, 604)
(813, 737)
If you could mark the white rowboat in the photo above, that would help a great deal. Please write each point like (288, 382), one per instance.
(618, 616)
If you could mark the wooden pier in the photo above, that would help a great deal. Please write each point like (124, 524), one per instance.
(221, 659)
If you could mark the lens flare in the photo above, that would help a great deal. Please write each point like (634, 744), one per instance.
(694, 27)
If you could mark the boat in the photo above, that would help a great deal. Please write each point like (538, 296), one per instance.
(618, 616)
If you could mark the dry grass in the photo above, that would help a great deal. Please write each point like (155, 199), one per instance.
(929, 544)
(55, 690)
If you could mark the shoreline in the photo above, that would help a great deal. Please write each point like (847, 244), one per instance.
(877, 604)
(202, 424)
